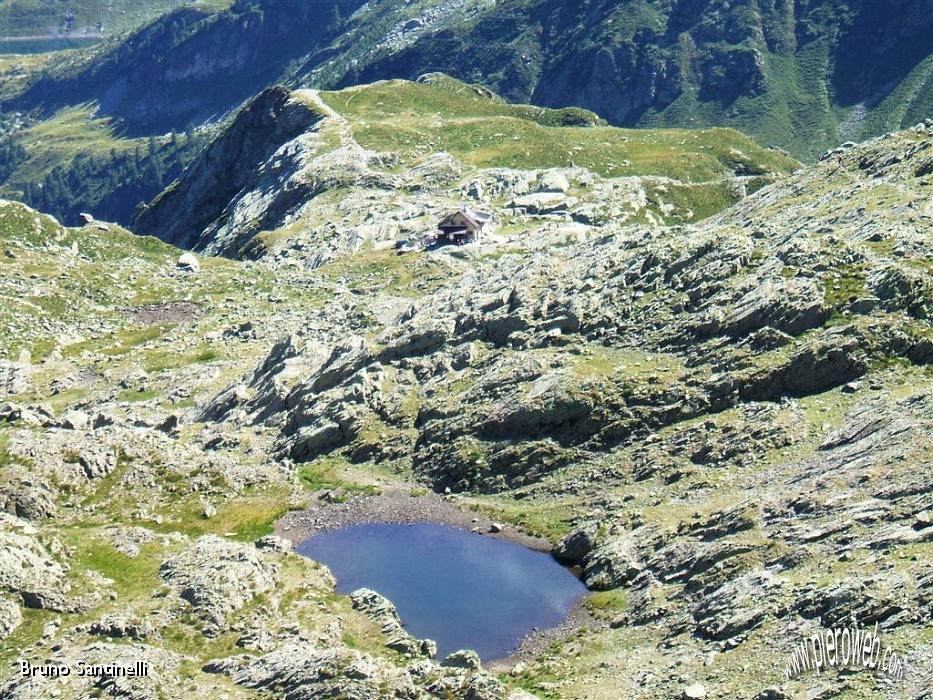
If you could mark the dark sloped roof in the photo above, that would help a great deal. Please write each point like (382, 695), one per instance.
(477, 218)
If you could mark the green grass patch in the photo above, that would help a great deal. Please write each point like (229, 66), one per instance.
(24, 636)
(410, 275)
(244, 518)
(127, 339)
(607, 604)
(135, 396)
(133, 577)
(7, 459)
(161, 360)
(103, 488)
(844, 286)
(324, 474)
(550, 520)
(70, 132)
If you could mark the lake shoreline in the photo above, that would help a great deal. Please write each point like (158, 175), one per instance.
(396, 505)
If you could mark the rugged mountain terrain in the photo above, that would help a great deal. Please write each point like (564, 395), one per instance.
(722, 415)
(395, 156)
(803, 75)
(34, 20)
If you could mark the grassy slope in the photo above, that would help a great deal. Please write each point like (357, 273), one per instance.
(474, 125)
(111, 271)
(416, 119)
(66, 134)
(16, 70)
(795, 113)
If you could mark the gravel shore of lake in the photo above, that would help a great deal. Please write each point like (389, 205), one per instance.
(535, 642)
(398, 505)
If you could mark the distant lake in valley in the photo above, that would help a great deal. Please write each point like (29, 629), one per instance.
(461, 589)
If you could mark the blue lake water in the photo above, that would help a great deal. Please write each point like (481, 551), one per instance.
(461, 589)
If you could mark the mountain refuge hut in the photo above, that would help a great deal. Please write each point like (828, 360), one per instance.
(463, 226)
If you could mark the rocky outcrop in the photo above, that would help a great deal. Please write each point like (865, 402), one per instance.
(97, 462)
(121, 626)
(14, 378)
(464, 658)
(10, 617)
(504, 377)
(162, 668)
(229, 163)
(612, 564)
(308, 672)
(27, 496)
(737, 606)
(28, 568)
(217, 577)
(901, 287)
(788, 305)
(574, 547)
(381, 610)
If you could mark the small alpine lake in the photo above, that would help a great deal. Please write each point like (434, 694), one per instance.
(461, 589)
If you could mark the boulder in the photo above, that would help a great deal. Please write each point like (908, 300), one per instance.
(273, 543)
(97, 462)
(14, 378)
(10, 617)
(464, 658)
(169, 425)
(576, 545)
(74, 420)
(188, 262)
(484, 687)
(694, 691)
(554, 181)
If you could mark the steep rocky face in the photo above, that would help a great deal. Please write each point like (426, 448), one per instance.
(180, 214)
